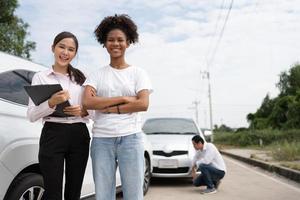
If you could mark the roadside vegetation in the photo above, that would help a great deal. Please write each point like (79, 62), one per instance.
(257, 138)
(275, 126)
(284, 146)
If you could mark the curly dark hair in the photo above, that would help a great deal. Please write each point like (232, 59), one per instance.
(122, 22)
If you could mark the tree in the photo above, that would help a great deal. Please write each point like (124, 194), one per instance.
(293, 114)
(278, 117)
(223, 128)
(266, 107)
(259, 120)
(289, 82)
(282, 112)
(13, 31)
(250, 117)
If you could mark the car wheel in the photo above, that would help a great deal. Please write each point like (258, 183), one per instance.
(26, 187)
(147, 176)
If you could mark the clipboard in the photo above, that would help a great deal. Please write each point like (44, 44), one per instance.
(41, 93)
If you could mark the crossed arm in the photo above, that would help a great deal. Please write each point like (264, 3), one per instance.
(121, 104)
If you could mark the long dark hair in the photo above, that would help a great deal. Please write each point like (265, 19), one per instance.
(72, 71)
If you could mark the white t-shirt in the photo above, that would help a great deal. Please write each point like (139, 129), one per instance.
(111, 82)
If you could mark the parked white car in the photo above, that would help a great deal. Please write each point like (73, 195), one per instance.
(20, 176)
(173, 150)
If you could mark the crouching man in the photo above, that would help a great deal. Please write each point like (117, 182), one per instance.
(210, 163)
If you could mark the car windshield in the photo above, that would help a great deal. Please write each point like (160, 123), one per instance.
(170, 126)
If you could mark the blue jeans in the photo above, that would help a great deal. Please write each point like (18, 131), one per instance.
(209, 176)
(128, 152)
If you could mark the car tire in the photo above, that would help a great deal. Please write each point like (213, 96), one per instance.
(147, 176)
(26, 185)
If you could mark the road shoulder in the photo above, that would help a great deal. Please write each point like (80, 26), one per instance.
(246, 155)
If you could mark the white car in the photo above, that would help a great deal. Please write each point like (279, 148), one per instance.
(20, 176)
(172, 146)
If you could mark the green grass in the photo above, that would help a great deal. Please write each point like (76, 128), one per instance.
(283, 145)
(285, 151)
(295, 166)
(256, 137)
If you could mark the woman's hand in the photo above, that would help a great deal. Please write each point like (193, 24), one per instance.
(75, 110)
(58, 97)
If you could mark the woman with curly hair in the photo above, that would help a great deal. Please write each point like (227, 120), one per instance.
(122, 91)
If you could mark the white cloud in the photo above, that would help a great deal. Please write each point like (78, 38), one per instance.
(260, 41)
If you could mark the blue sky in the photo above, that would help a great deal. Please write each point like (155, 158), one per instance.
(261, 39)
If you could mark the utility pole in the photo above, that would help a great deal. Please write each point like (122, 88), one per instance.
(206, 75)
(205, 118)
(196, 110)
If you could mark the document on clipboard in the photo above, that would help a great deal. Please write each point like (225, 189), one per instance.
(40, 93)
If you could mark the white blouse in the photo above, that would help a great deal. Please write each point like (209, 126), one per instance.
(43, 110)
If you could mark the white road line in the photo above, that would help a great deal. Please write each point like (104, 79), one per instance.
(264, 175)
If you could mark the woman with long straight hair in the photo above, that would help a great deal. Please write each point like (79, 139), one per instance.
(64, 141)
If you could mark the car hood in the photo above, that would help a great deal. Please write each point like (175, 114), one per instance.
(171, 142)
(11, 62)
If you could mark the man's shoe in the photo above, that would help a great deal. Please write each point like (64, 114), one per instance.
(209, 191)
(217, 184)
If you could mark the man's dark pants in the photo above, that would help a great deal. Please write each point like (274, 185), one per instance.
(209, 176)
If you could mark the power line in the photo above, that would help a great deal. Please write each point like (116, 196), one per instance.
(209, 62)
(215, 31)
(220, 36)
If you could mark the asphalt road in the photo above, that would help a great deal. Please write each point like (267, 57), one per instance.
(242, 182)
